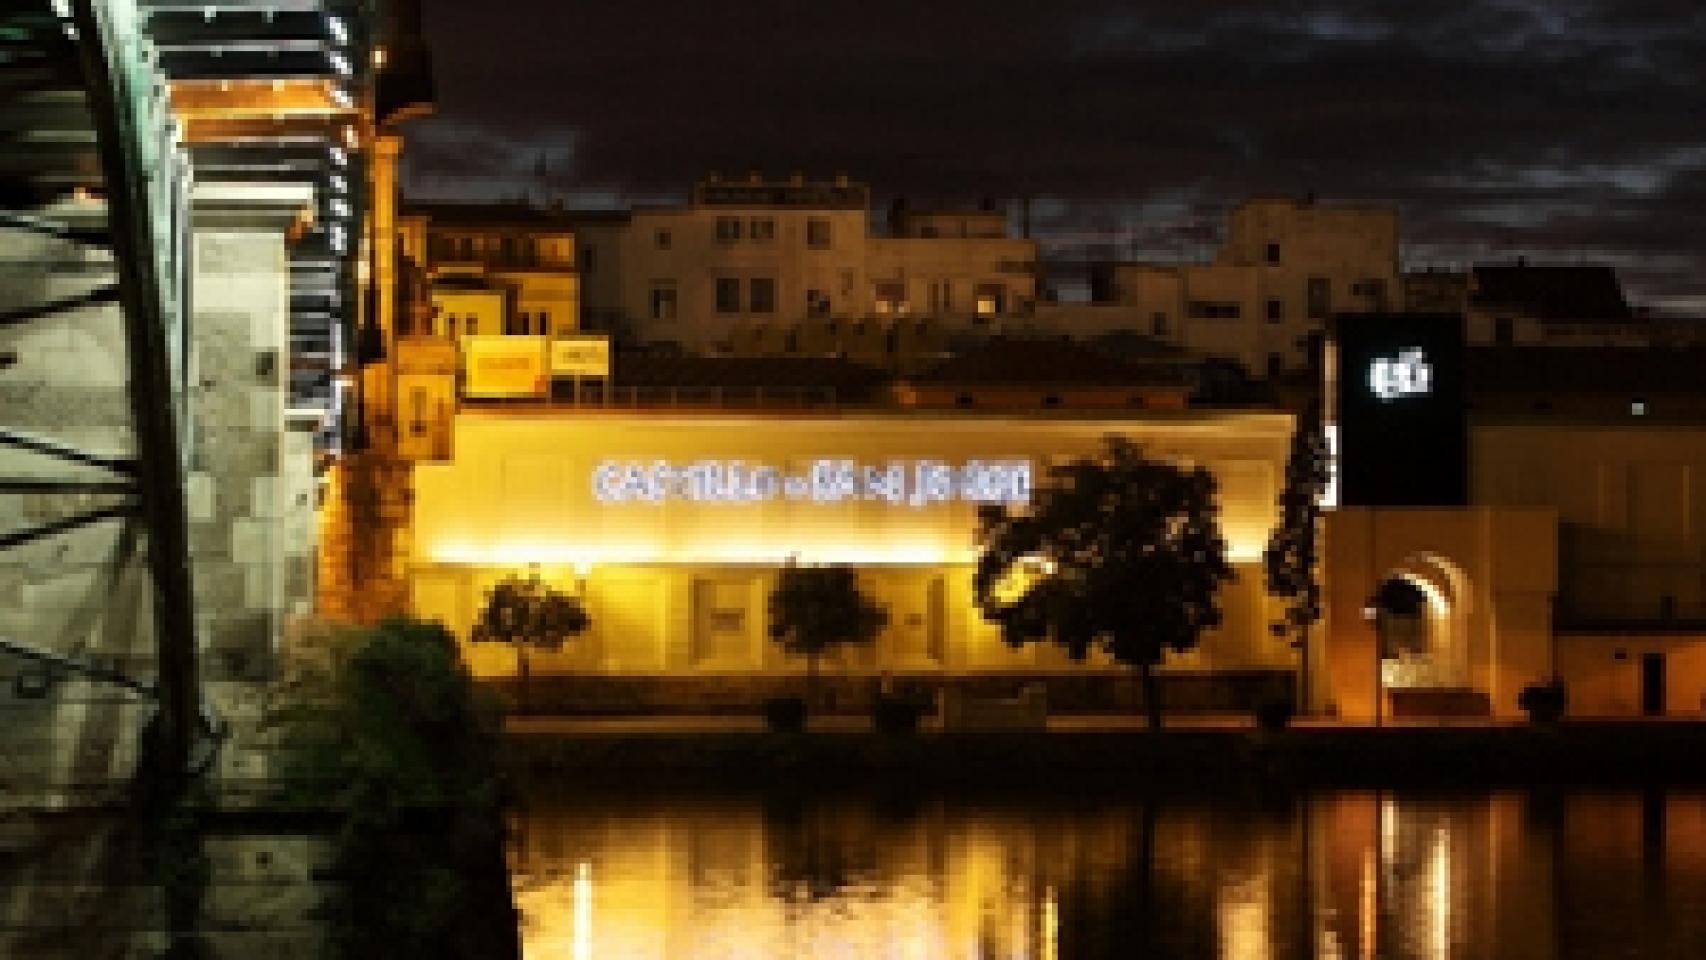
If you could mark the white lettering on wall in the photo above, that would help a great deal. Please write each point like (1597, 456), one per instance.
(1407, 375)
(911, 483)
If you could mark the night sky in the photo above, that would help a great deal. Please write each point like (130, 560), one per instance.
(1563, 130)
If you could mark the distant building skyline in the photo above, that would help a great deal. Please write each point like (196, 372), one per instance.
(1555, 132)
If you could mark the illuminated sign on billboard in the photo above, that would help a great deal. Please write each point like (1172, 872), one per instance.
(1409, 374)
(912, 483)
(504, 366)
(1402, 433)
(585, 355)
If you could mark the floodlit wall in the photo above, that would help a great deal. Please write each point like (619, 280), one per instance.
(1493, 570)
(1629, 499)
(677, 583)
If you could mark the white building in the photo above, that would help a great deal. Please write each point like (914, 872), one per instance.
(1285, 268)
(763, 266)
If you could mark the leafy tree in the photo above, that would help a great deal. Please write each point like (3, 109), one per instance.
(1292, 557)
(815, 608)
(527, 612)
(1118, 552)
(385, 726)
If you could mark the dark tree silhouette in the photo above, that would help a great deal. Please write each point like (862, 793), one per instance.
(528, 613)
(1117, 552)
(815, 608)
(1292, 557)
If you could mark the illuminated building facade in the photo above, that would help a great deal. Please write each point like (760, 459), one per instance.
(763, 267)
(671, 526)
(1285, 269)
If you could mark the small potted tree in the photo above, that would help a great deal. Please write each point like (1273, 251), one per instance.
(528, 613)
(1543, 701)
(813, 609)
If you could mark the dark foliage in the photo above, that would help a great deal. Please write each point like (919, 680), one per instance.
(393, 733)
(527, 612)
(813, 609)
(1293, 553)
(1119, 552)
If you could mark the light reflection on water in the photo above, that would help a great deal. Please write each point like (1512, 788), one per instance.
(1345, 876)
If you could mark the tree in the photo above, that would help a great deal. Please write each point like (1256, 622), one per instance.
(1118, 552)
(815, 608)
(528, 612)
(386, 726)
(1292, 558)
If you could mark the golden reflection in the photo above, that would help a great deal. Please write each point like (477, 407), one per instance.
(1439, 863)
(1244, 917)
(583, 911)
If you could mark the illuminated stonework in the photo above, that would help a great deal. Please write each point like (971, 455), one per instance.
(913, 483)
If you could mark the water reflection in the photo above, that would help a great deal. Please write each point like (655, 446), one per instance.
(1337, 876)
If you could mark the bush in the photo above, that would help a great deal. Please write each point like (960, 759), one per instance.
(897, 715)
(1544, 702)
(785, 714)
(1275, 714)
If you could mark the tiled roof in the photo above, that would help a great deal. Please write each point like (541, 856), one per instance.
(1566, 293)
(1585, 370)
(647, 370)
(1042, 360)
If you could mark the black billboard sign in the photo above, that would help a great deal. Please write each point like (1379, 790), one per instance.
(1403, 432)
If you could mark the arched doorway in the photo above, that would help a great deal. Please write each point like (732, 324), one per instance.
(1420, 613)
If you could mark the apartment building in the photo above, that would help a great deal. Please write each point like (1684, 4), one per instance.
(768, 267)
(1286, 267)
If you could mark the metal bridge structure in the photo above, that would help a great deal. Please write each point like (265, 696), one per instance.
(183, 215)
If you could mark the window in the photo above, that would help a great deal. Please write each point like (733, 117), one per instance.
(728, 295)
(1369, 288)
(817, 303)
(763, 295)
(817, 232)
(1272, 253)
(990, 299)
(471, 325)
(1158, 324)
(763, 228)
(521, 323)
(1276, 311)
(663, 239)
(1214, 310)
(890, 298)
(1320, 298)
(543, 322)
(663, 301)
(728, 229)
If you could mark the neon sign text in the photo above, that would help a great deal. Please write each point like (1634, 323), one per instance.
(1407, 375)
(911, 483)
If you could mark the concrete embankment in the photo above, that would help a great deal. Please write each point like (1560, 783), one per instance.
(1327, 756)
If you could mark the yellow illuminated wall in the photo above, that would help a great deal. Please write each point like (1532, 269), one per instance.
(679, 583)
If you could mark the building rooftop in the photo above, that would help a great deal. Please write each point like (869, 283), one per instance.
(844, 376)
(510, 213)
(1586, 370)
(1019, 361)
(1564, 293)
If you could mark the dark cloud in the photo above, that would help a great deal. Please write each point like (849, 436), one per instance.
(1563, 128)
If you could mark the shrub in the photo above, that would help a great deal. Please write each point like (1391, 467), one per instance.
(1544, 701)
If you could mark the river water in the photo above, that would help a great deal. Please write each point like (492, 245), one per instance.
(1360, 875)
